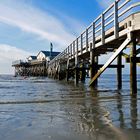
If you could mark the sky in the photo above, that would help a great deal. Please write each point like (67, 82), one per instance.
(28, 26)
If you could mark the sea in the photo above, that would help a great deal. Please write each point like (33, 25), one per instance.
(38, 108)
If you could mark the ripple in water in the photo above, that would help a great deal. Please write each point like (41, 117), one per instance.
(42, 108)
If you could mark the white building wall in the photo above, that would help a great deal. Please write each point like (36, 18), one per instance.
(41, 56)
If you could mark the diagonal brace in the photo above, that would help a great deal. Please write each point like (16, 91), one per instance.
(113, 57)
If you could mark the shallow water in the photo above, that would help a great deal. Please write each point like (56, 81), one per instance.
(43, 109)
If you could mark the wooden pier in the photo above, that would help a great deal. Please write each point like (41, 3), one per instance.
(116, 29)
(33, 68)
(35, 65)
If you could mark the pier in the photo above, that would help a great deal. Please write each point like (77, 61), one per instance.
(35, 65)
(115, 30)
(33, 68)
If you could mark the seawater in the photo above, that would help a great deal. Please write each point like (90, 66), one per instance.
(46, 109)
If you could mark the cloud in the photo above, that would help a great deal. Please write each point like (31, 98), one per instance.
(8, 54)
(105, 3)
(74, 26)
(35, 21)
(38, 23)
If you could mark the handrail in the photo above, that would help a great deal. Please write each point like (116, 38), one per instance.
(18, 62)
(110, 15)
(128, 9)
(108, 19)
(121, 6)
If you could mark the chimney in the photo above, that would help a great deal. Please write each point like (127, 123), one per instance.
(51, 49)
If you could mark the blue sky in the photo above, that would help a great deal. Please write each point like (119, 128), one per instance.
(51, 16)
(28, 26)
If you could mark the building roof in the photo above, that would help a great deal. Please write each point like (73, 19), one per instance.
(33, 57)
(47, 53)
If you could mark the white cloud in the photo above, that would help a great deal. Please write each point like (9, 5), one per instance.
(7, 55)
(105, 3)
(32, 20)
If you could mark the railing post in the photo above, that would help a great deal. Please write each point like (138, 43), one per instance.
(86, 40)
(68, 52)
(102, 29)
(76, 54)
(93, 39)
(73, 48)
(76, 64)
(81, 43)
(116, 20)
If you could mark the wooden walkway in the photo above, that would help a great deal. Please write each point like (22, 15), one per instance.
(116, 29)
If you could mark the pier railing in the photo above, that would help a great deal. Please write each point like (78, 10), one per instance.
(32, 62)
(103, 29)
(17, 62)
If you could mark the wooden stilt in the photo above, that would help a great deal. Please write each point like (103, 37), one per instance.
(93, 67)
(76, 80)
(83, 75)
(119, 71)
(76, 73)
(133, 68)
(93, 72)
(60, 72)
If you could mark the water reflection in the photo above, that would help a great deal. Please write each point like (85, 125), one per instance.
(96, 121)
(56, 110)
(133, 112)
(93, 119)
(120, 111)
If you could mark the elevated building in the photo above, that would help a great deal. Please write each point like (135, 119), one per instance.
(35, 65)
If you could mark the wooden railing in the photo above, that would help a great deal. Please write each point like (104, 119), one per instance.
(17, 62)
(97, 31)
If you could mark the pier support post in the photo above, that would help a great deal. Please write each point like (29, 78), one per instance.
(76, 80)
(133, 68)
(83, 77)
(44, 70)
(93, 66)
(67, 74)
(83, 74)
(16, 71)
(76, 73)
(59, 72)
(119, 71)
